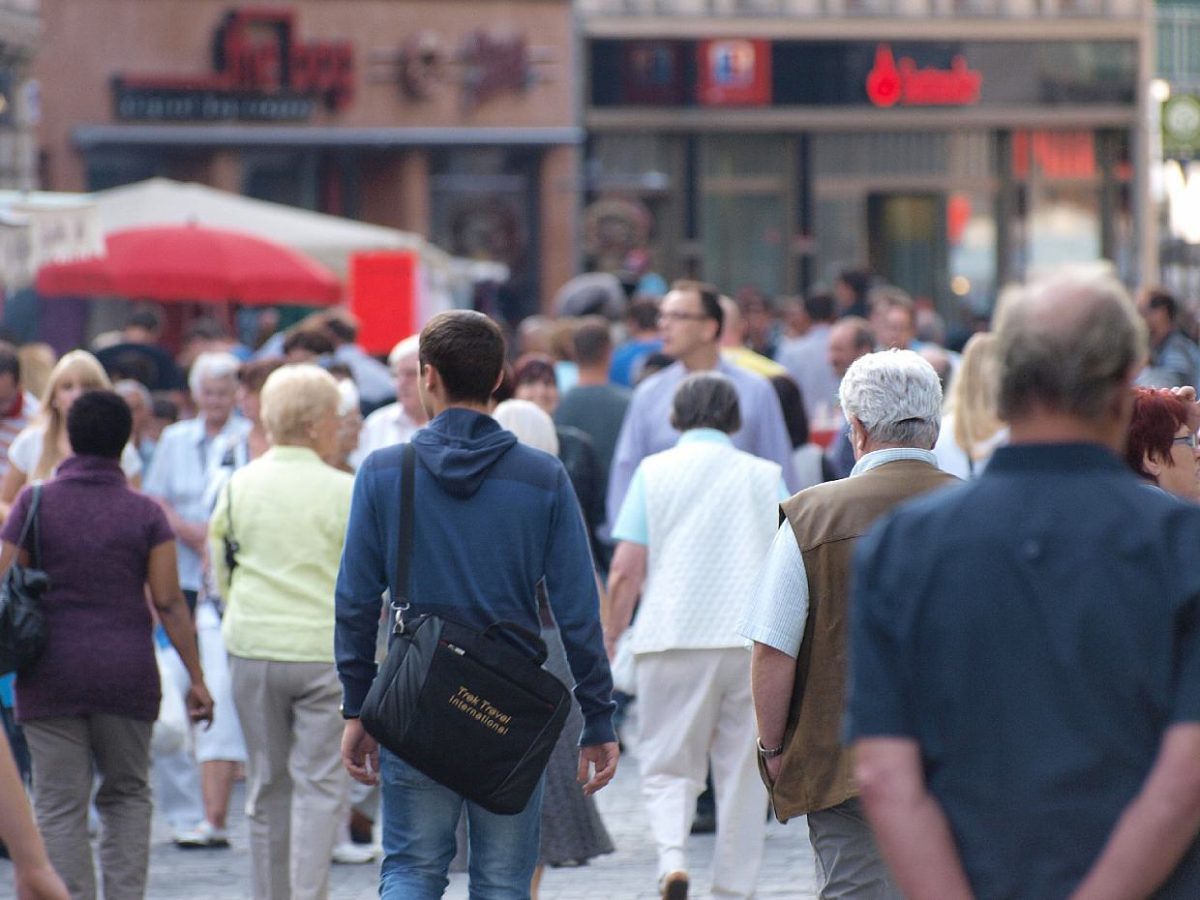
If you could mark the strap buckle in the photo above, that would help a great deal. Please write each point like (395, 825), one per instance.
(399, 609)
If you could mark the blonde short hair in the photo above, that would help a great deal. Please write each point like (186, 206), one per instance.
(294, 398)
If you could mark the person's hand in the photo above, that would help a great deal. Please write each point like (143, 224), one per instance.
(610, 645)
(600, 761)
(773, 766)
(360, 753)
(40, 883)
(199, 703)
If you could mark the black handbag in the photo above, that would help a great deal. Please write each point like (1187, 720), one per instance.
(472, 710)
(22, 620)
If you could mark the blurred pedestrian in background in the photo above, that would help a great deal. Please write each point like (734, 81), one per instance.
(88, 713)
(1174, 357)
(35, 878)
(37, 451)
(971, 428)
(178, 479)
(396, 422)
(276, 539)
(572, 830)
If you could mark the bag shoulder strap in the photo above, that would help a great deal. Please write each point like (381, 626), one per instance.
(400, 602)
(31, 521)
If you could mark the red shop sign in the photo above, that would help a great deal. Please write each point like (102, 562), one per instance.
(903, 84)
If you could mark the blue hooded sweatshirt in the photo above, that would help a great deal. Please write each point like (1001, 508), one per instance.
(493, 518)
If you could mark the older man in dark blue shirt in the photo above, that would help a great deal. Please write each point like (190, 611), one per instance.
(1026, 649)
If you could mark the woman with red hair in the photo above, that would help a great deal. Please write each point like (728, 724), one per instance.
(1162, 444)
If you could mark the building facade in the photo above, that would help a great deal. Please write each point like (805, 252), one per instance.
(20, 38)
(455, 120)
(948, 145)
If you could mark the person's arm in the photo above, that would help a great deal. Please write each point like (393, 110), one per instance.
(774, 442)
(10, 485)
(217, 531)
(628, 453)
(1156, 829)
(163, 578)
(626, 576)
(772, 678)
(571, 590)
(35, 877)
(910, 827)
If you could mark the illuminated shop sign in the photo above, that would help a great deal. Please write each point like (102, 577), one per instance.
(904, 83)
(261, 72)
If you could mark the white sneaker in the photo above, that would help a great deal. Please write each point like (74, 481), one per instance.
(203, 835)
(351, 854)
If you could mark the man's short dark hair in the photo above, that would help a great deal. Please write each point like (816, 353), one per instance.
(146, 318)
(706, 400)
(820, 307)
(710, 299)
(467, 349)
(858, 281)
(1159, 298)
(643, 311)
(99, 424)
(343, 329)
(315, 341)
(592, 340)
(10, 363)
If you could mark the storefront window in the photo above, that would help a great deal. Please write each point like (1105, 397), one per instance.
(485, 207)
(1059, 185)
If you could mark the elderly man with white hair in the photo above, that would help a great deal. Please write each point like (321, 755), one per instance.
(797, 615)
(396, 422)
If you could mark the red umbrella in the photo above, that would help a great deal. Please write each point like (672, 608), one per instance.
(189, 263)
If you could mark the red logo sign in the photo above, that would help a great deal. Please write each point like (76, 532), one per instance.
(890, 83)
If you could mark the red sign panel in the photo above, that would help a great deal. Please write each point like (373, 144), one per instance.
(892, 83)
(734, 73)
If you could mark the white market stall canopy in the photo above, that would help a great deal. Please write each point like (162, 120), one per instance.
(329, 240)
(39, 227)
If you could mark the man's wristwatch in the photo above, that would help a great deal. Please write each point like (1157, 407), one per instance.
(768, 752)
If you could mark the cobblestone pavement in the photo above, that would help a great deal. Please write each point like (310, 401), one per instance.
(627, 874)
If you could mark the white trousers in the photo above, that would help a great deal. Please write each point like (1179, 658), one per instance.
(695, 707)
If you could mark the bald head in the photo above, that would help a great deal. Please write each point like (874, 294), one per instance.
(1066, 343)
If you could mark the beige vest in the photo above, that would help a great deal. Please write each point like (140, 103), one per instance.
(817, 770)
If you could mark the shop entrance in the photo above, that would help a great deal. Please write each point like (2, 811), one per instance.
(906, 241)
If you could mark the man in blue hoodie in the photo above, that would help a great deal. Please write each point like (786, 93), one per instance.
(493, 518)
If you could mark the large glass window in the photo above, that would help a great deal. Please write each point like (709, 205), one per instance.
(746, 215)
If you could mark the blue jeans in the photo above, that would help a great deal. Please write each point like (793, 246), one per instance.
(419, 819)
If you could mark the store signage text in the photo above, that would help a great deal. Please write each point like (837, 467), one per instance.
(892, 83)
(261, 72)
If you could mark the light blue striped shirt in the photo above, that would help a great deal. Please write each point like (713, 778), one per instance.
(778, 609)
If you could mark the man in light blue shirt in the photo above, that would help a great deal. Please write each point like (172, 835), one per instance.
(691, 320)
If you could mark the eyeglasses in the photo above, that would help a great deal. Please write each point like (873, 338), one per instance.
(681, 317)
(1188, 439)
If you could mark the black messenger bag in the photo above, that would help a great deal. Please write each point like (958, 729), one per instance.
(472, 710)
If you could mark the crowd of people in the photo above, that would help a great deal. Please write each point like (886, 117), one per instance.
(846, 563)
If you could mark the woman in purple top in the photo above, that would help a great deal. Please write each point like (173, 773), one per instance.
(89, 702)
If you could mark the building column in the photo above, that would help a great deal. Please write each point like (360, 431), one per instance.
(558, 215)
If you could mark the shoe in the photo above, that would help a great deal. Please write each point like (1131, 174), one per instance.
(351, 854)
(203, 837)
(705, 822)
(674, 886)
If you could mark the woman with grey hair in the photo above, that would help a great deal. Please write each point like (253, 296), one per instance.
(275, 542)
(186, 455)
(692, 532)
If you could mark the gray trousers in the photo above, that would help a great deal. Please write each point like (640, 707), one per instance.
(64, 752)
(296, 789)
(848, 861)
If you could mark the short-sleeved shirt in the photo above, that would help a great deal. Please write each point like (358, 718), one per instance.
(1035, 632)
(96, 538)
(26, 450)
